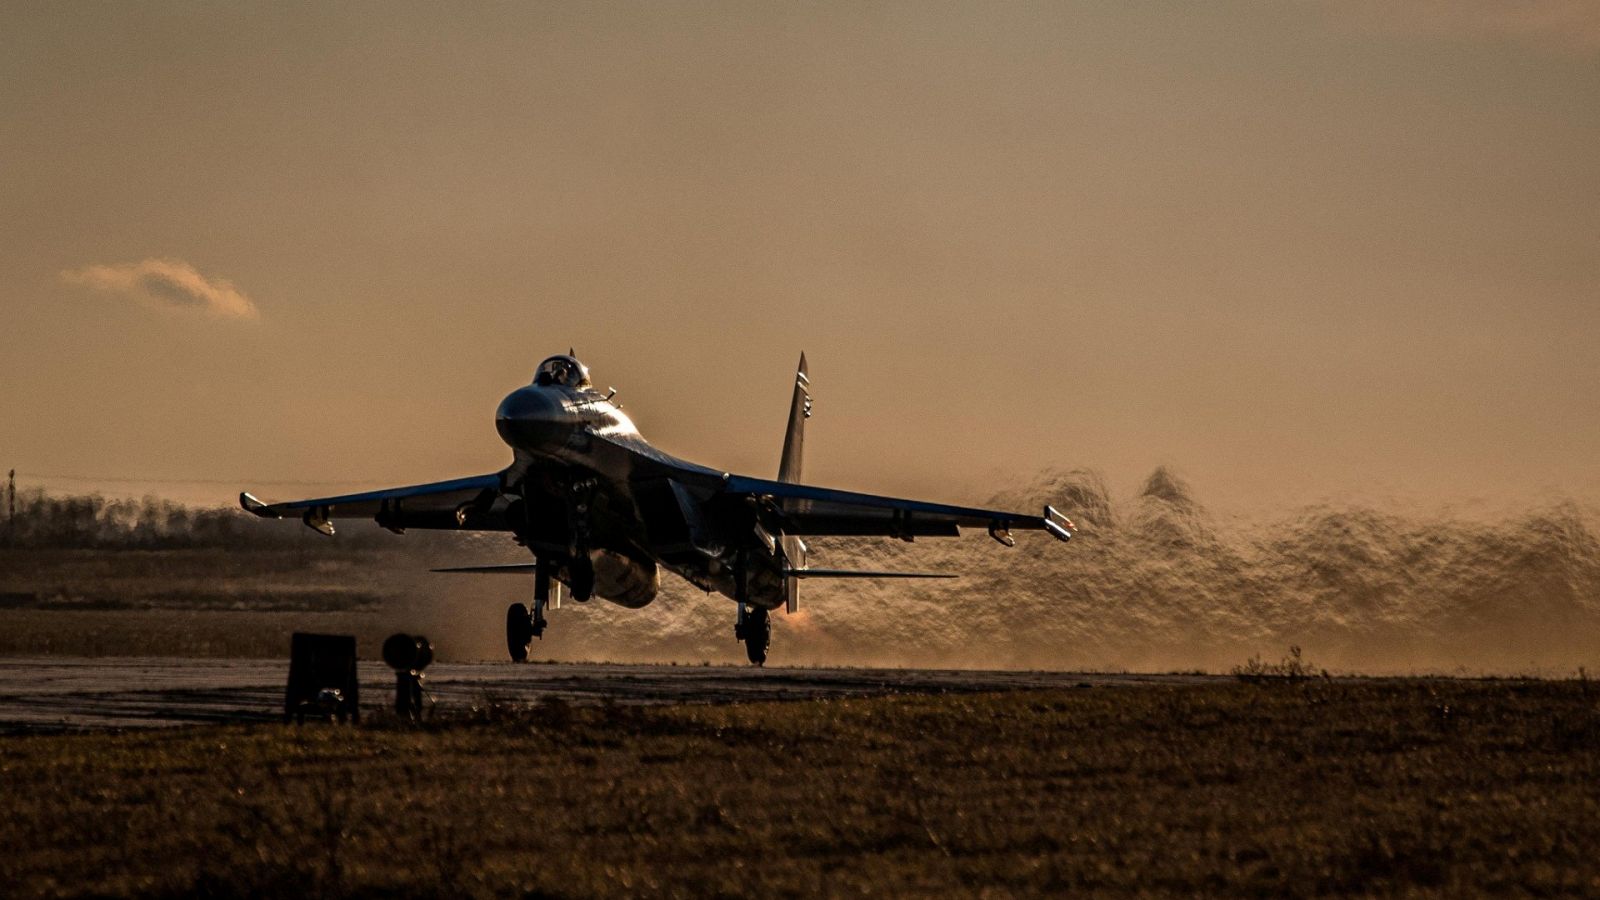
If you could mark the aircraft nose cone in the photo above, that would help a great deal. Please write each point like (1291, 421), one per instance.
(530, 418)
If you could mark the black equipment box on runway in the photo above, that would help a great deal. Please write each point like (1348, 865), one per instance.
(322, 678)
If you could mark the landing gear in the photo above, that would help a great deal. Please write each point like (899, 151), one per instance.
(519, 631)
(541, 598)
(523, 625)
(580, 573)
(754, 627)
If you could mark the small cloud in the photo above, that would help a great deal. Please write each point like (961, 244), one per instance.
(1547, 24)
(167, 284)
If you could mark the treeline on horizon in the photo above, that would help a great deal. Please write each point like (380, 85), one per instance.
(93, 522)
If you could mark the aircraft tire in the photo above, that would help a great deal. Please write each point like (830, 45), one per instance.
(519, 631)
(581, 573)
(757, 636)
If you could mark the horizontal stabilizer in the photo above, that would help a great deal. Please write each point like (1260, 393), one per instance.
(854, 573)
(512, 568)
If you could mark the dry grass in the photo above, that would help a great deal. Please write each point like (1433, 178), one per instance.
(189, 602)
(283, 579)
(1439, 788)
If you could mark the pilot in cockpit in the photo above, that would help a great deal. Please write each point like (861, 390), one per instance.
(562, 370)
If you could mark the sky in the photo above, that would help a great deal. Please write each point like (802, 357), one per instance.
(1289, 249)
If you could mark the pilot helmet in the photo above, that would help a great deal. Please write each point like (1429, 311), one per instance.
(562, 370)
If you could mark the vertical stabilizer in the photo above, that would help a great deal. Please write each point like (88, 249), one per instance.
(794, 448)
(794, 440)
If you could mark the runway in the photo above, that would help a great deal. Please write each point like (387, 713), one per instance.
(45, 694)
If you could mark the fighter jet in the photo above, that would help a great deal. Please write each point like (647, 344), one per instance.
(603, 512)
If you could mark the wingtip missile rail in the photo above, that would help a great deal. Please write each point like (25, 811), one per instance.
(1059, 526)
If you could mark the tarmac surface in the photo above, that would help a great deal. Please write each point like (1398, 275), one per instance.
(53, 694)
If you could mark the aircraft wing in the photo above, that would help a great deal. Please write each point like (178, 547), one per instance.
(440, 504)
(808, 510)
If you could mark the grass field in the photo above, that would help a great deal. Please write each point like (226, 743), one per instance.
(1444, 788)
(274, 579)
(203, 602)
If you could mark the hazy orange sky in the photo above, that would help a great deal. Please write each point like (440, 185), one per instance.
(1290, 248)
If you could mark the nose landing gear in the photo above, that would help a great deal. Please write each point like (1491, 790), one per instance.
(523, 625)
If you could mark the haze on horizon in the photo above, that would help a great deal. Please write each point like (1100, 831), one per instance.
(1292, 249)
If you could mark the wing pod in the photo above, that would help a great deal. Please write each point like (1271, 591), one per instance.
(1001, 532)
(317, 519)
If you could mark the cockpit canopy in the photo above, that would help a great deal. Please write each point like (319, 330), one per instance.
(562, 370)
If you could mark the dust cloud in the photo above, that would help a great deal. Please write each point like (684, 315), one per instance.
(1153, 582)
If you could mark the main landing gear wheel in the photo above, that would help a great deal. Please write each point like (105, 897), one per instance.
(581, 578)
(519, 631)
(756, 634)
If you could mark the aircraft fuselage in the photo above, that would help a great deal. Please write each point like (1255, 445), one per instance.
(594, 487)
(603, 512)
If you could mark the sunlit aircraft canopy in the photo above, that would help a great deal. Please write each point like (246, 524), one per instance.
(562, 370)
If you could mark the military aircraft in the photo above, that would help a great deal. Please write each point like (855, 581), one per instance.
(603, 512)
